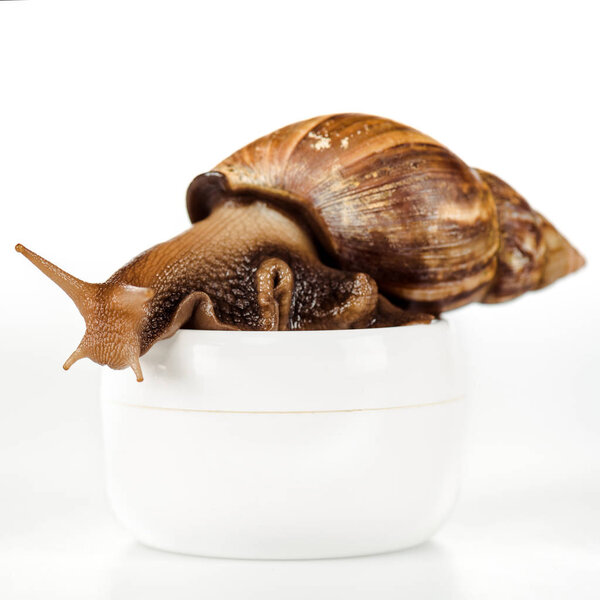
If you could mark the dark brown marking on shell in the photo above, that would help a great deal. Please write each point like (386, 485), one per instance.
(410, 234)
(522, 247)
(436, 308)
(532, 253)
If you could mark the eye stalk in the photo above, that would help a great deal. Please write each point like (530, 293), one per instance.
(79, 291)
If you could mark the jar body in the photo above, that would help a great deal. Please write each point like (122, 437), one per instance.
(277, 477)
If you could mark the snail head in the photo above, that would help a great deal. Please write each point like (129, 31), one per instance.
(114, 314)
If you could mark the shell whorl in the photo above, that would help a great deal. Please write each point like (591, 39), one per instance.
(384, 199)
(532, 253)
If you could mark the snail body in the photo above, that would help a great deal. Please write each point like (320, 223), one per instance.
(336, 222)
(220, 274)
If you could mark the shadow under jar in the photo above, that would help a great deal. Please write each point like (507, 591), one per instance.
(287, 445)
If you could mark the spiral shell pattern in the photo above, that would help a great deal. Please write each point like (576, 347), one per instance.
(381, 198)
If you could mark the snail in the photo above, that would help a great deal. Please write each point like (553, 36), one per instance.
(341, 221)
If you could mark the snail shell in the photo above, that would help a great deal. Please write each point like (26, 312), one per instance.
(384, 199)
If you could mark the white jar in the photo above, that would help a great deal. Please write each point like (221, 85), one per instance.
(287, 444)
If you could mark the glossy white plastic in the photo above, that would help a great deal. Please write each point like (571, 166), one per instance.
(287, 444)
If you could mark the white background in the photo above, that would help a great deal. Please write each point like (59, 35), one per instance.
(108, 110)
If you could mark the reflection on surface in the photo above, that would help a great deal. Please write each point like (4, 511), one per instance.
(422, 572)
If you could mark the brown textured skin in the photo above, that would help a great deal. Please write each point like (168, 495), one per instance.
(384, 199)
(245, 267)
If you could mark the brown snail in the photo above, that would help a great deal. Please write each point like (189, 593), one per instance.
(335, 222)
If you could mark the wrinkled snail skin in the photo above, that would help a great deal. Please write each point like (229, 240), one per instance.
(245, 267)
(343, 221)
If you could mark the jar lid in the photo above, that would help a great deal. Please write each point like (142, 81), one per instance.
(294, 371)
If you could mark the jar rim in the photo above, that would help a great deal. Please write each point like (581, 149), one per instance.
(289, 371)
